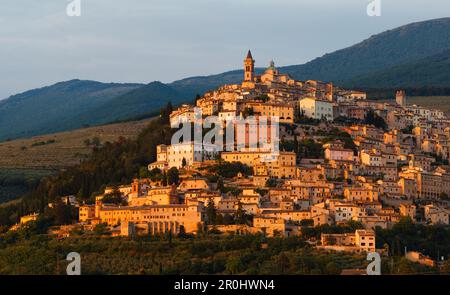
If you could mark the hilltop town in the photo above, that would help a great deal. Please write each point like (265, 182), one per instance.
(342, 158)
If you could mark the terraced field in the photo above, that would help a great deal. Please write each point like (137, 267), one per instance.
(61, 150)
(24, 162)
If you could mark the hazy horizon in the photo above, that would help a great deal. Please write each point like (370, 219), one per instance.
(140, 41)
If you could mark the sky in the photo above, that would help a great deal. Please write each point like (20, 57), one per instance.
(141, 41)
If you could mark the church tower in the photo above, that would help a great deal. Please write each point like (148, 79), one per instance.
(249, 68)
(400, 97)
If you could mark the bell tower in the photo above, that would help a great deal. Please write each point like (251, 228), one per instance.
(249, 68)
(400, 97)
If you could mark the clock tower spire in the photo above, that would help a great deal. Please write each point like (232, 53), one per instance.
(249, 68)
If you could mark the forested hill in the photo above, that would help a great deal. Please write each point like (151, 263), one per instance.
(55, 108)
(403, 45)
(113, 163)
(432, 71)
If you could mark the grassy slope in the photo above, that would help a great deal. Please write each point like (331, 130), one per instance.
(21, 163)
(67, 150)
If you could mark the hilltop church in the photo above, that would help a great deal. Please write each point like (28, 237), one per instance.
(281, 85)
(270, 75)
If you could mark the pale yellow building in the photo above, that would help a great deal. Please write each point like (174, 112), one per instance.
(283, 111)
(408, 210)
(316, 109)
(273, 226)
(360, 241)
(335, 151)
(86, 213)
(436, 215)
(360, 194)
(160, 218)
(280, 165)
(174, 155)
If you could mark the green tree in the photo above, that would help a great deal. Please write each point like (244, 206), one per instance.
(100, 228)
(173, 176)
(164, 179)
(354, 225)
(165, 113)
(182, 232)
(234, 265)
(239, 216)
(114, 197)
(307, 222)
(248, 112)
(295, 144)
(62, 212)
(197, 97)
(155, 174)
(374, 119)
(211, 212)
(271, 182)
(332, 268)
(283, 263)
(220, 184)
(143, 172)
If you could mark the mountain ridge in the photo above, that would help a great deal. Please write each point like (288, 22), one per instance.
(406, 43)
(386, 60)
(432, 71)
(54, 108)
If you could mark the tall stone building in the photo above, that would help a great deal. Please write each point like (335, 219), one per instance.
(400, 98)
(249, 68)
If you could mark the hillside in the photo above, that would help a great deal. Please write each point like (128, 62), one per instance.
(77, 103)
(414, 56)
(24, 162)
(213, 254)
(64, 149)
(402, 45)
(112, 163)
(147, 99)
(430, 71)
(55, 108)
